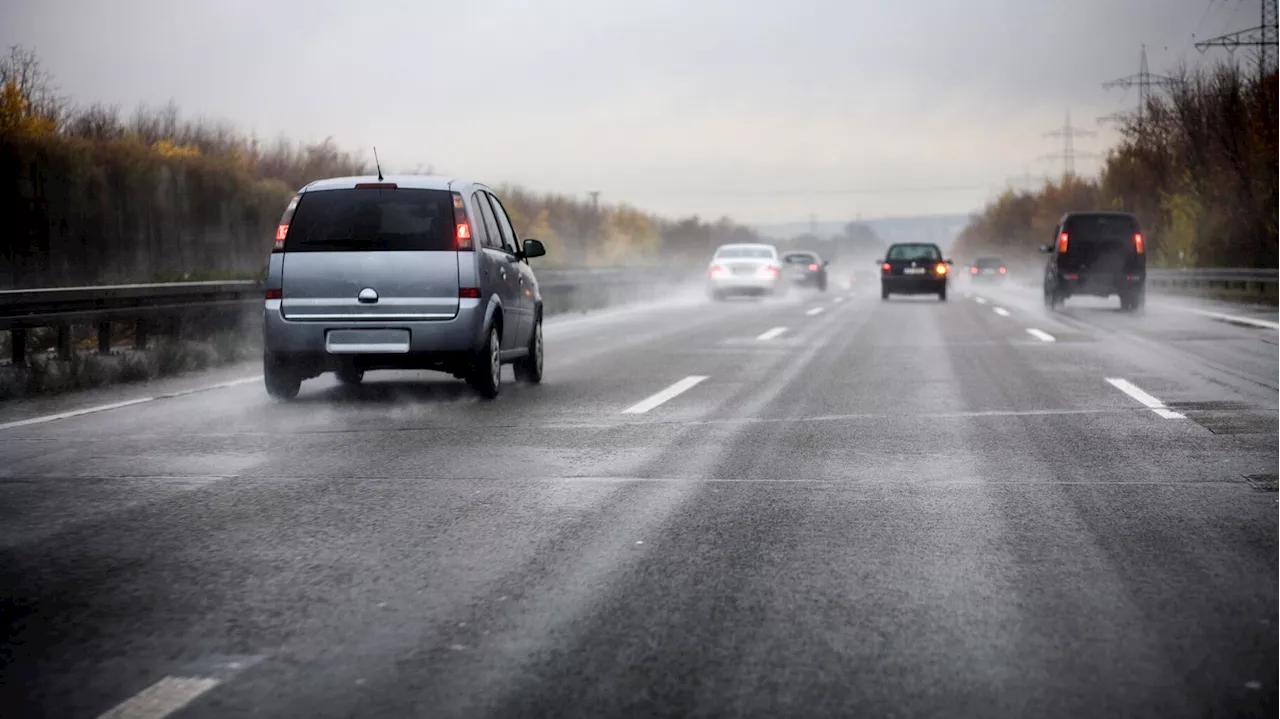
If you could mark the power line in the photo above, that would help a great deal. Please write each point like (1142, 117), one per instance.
(1144, 80)
(1265, 37)
(1069, 152)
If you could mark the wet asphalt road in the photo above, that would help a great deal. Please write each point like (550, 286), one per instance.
(904, 508)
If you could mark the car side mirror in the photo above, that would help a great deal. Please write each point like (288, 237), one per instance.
(879, 262)
(534, 248)
(949, 262)
(1046, 248)
(826, 263)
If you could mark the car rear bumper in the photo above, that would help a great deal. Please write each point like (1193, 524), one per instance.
(1101, 285)
(459, 335)
(743, 284)
(914, 285)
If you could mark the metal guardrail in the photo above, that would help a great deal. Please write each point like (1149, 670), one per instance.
(1204, 276)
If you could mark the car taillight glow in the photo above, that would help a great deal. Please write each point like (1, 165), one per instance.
(813, 268)
(973, 270)
(940, 268)
(282, 229)
(1139, 244)
(275, 294)
(469, 293)
(1002, 270)
(1062, 242)
(718, 271)
(1072, 276)
(375, 185)
(886, 267)
(769, 271)
(463, 225)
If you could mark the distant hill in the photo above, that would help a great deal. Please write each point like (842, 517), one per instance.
(939, 229)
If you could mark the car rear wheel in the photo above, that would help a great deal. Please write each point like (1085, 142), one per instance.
(349, 375)
(1133, 301)
(282, 381)
(884, 293)
(486, 373)
(529, 368)
(942, 295)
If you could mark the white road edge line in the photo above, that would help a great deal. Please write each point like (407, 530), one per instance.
(161, 699)
(1235, 318)
(770, 334)
(980, 300)
(1041, 335)
(669, 393)
(1152, 403)
(1002, 311)
(127, 403)
(816, 311)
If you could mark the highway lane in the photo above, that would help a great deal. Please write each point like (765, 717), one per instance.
(908, 508)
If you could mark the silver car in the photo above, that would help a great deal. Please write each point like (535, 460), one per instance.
(745, 269)
(400, 273)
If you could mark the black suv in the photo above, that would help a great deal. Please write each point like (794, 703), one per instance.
(1099, 254)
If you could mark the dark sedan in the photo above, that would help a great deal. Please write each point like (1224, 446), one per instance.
(805, 269)
(914, 269)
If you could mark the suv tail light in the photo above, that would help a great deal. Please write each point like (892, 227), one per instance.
(275, 294)
(1062, 243)
(886, 267)
(462, 224)
(469, 293)
(1139, 244)
(282, 229)
(940, 269)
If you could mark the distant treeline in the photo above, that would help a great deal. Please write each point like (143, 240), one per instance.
(91, 195)
(1198, 168)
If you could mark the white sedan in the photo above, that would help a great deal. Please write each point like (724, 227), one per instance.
(745, 269)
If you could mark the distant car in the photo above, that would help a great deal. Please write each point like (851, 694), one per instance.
(1100, 254)
(914, 269)
(806, 269)
(988, 269)
(745, 269)
(400, 273)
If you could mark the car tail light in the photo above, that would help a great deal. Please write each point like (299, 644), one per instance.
(886, 267)
(813, 268)
(463, 232)
(1139, 244)
(472, 293)
(769, 272)
(1072, 276)
(275, 294)
(718, 271)
(1002, 270)
(973, 270)
(375, 185)
(1062, 243)
(940, 268)
(282, 229)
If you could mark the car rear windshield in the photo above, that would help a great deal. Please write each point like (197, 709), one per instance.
(914, 252)
(365, 220)
(744, 253)
(799, 258)
(1099, 229)
(987, 262)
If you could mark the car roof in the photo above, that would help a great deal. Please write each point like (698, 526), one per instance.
(409, 182)
(1099, 213)
(811, 253)
(917, 244)
(747, 246)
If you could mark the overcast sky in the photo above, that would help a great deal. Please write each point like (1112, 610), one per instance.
(766, 111)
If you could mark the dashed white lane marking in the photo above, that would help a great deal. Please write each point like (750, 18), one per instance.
(1237, 319)
(838, 300)
(980, 300)
(1041, 335)
(671, 392)
(1002, 311)
(772, 333)
(161, 699)
(1135, 392)
(127, 403)
(816, 311)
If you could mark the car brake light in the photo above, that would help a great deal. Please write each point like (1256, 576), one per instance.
(717, 271)
(469, 293)
(375, 186)
(886, 267)
(282, 229)
(1002, 270)
(769, 271)
(1072, 276)
(463, 232)
(275, 294)
(813, 268)
(973, 270)
(940, 268)
(1062, 243)
(1138, 244)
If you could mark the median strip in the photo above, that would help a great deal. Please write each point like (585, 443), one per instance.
(1151, 402)
(665, 395)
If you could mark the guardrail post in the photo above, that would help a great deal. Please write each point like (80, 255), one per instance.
(64, 342)
(140, 335)
(18, 338)
(104, 338)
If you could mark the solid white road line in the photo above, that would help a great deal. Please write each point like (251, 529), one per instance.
(161, 699)
(671, 392)
(128, 403)
(980, 300)
(1236, 318)
(1041, 335)
(816, 311)
(1002, 311)
(772, 333)
(1135, 392)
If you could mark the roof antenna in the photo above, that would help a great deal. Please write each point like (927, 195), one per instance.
(376, 163)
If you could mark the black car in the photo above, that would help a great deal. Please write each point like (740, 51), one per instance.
(914, 269)
(805, 269)
(1099, 254)
(988, 269)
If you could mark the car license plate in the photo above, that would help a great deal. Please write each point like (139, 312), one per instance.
(913, 271)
